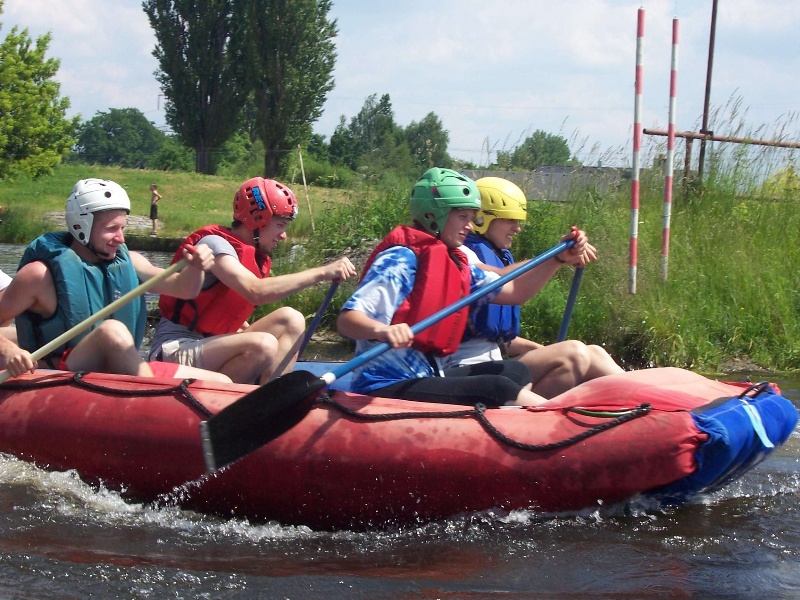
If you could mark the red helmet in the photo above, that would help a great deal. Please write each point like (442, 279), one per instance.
(259, 199)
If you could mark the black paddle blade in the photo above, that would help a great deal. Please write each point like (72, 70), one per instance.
(258, 417)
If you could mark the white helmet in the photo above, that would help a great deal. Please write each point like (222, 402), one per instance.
(88, 197)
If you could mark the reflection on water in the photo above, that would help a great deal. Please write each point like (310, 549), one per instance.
(9, 257)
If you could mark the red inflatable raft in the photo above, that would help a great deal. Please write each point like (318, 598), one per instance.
(357, 461)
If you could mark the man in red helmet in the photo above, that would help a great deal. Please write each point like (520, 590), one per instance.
(211, 330)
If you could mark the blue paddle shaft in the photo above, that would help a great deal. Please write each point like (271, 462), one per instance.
(318, 317)
(379, 349)
(573, 294)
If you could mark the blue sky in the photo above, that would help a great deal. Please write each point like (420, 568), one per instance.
(493, 72)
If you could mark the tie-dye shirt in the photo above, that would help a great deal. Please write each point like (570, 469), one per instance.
(385, 286)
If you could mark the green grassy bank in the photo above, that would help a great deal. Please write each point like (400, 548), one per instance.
(731, 296)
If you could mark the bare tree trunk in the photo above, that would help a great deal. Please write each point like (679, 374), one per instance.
(202, 163)
(270, 163)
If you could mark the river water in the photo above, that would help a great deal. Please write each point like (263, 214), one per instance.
(60, 538)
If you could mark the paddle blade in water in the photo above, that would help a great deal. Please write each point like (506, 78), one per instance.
(258, 417)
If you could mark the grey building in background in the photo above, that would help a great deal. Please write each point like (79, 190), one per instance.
(559, 182)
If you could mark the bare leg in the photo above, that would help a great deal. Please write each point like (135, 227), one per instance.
(242, 357)
(186, 372)
(527, 398)
(108, 349)
(561, 366)
(288, 326)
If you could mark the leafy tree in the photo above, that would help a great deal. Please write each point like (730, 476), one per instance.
(201, 69)
(290, 58)
(122, 137)
(318, 148)
(374, 127)
(427, 141)
(173, 156)
(370, 138)
(541, 148)
(34, 131)
(344, 148)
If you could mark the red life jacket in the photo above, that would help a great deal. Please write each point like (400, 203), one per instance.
(217, 309)
(443, 277)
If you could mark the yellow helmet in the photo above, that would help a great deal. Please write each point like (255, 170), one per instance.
(500, 199)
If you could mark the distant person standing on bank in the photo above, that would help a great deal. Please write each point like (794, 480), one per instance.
(154, 198)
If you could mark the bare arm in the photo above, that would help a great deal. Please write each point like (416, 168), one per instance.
(31, 289)
(188, 282)
(259, 291)
(358, 326)
(527, 285)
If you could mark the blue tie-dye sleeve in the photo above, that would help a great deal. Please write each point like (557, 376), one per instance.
(481, 278)
(386, 284)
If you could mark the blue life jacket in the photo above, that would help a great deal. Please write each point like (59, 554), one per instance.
(495, 322)
(82, 289)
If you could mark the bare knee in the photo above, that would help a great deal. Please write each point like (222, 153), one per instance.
(576, 355)
(113, 335)
(258, 347)
(290, 319)
(602, 362)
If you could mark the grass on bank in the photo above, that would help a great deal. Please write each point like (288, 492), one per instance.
(731, 290)
(188, 200)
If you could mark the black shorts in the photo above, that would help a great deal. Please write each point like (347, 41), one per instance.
(492, 383)
(154, 211)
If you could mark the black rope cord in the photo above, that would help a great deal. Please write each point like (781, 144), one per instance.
(479, 412)
(182, 389)
(759, 388)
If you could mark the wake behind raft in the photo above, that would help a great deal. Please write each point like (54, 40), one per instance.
(357, 461)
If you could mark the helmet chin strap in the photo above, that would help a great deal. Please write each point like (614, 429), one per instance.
(104, 256)
(256, 238)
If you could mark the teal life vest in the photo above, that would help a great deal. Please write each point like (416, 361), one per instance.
(82, 289)
(495, 322)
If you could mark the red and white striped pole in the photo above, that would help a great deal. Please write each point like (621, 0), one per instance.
(637, 145)
(668, 177)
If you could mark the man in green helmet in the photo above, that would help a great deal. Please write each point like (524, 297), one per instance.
(419, 269)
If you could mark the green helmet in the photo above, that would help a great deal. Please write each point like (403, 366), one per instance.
(437, 193)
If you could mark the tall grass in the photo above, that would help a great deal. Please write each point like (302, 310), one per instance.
(732, 289)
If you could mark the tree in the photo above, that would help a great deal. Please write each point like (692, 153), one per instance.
(539, 149)
(344, 148)
(122, 137)
(371, 136)
(201, 69)
(290, 58)
(428, 141)
(34, 131)
(173, 156)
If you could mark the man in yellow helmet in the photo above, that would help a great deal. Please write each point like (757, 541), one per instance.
(554, 368)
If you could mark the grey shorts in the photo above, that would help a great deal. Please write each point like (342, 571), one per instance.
(184, 351)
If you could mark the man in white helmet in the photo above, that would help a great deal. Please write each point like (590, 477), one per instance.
(65, 277)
